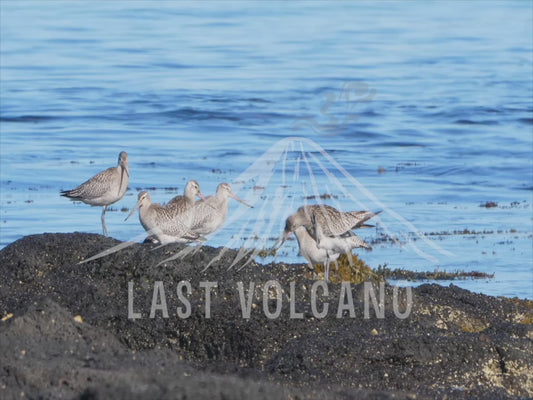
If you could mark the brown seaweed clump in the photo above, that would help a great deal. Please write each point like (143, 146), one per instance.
(356, 271)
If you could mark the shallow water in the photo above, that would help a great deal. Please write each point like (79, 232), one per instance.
(427, 107)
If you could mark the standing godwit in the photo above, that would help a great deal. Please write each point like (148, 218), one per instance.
(104, 188)
(208, 215)
(160, 221)
(312, 253)
(332, 221)
(181, 205)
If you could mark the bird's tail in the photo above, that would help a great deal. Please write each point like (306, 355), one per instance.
(363, 216)
(358, 242)
(68, 193)
(71, 194)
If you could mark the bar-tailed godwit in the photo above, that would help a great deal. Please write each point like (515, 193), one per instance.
(104, 188)
(181, 206)
(332, 221)
(161, 222)
(208, 215)
(182, 203)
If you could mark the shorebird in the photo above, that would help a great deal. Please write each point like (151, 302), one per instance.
(104, 188)
(160, 221)
(312, 253)
(179, 205)
(332, 221)
(208, 215)
(183, 203)
(343, 244)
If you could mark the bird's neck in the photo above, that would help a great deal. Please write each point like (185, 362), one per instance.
(189, 198)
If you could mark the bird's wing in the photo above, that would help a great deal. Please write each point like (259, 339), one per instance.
(177, 205)
(95, 187)
(172, 225)
(337, 223)
(360, 217)
(346, 221)
(179, 199)
(203, 211)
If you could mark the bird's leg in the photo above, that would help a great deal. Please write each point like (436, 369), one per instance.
(326, 265)
(103, 221)
(312, 268)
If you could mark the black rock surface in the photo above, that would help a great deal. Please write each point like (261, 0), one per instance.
(65, 332)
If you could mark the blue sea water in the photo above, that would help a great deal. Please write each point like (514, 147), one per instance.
(427, 106)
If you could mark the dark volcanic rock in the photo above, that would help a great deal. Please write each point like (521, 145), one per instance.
(453, 343)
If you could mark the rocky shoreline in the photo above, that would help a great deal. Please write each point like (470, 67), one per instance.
(67, 330)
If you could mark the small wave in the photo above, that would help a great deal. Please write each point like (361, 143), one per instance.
(402, 144)
(526, 188)
(257, 100)
(171, 65)
(190, 114)
(470, 122)
(28, 118)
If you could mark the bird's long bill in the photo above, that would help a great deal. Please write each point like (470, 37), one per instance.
(200, 195)
(134, 209)
(281, 240)
(241, 201)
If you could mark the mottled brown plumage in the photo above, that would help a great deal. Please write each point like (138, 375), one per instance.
(162, 222)
(105, 188)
